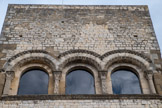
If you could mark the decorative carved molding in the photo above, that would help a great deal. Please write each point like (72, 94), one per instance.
(84, 59)
(102, 74)
(128, 60)
(106, 54)
(41, 60)
(27, 52)
(57, 74)
(81, 59)
(79, 51)
(43, 57)
(82, 51)
(127, 51)
(10, 74)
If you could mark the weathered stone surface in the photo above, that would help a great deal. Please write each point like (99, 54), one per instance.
(158, 82)
(95, 28)
(58, 39)
(5, 49)
(2, 81)
(82, 101)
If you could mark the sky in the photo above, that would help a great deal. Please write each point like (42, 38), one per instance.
(33, 82)
(122, 80)
(155, 8)
(79, 82)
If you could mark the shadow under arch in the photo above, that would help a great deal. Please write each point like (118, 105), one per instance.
(80, 68)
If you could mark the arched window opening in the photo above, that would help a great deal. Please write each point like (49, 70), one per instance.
(33, 82)
(125, 82)
(80, 82)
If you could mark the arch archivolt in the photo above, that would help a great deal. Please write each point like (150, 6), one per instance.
(20, 63)
(126, 58)
(79, 59)
(80, 66)
(19, 72)
(42, 57)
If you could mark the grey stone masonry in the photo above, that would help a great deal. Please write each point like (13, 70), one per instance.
(82, 101)
(95, 28)
(61, 38)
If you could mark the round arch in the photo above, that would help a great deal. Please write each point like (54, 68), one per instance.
(25, 61)
(145, 87)
(34, 80)
(80, 56)
(31, 55)
(125, 57)
(78, 66)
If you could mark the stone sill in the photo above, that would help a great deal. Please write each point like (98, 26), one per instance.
(79, 97)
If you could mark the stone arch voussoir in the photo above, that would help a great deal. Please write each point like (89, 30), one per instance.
(129, 57)
(84, 58)
(31, 56)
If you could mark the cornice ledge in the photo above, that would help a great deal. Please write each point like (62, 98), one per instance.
(80, 97)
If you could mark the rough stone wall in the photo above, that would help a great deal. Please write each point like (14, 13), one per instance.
(103, 30)
(61, 28)
(2, 81)
(158, 83)
(115, 103)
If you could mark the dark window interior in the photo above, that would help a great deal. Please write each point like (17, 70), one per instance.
(125, 82)
(80, 82)
(33, 82)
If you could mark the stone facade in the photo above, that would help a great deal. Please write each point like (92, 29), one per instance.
(101, 39)
(62, 101)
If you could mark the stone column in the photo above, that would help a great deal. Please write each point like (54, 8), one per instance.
(2, 82)
(57, 76)
(158, 82)
(7, 85)
(150, 79)
(102, 75)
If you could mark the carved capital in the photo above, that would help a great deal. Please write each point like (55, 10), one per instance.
(10, 73)
(102, 74)
(57, 75)
(2, 70)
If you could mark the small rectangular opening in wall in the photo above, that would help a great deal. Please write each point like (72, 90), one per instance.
(135, 36)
